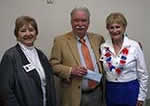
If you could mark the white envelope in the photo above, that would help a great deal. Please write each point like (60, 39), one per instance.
(93, 76)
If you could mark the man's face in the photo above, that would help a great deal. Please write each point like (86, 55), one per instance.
(80, 23)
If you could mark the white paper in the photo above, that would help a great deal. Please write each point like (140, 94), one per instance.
(93, 76)
(28, 67)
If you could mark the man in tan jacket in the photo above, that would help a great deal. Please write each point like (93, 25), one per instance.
(69, 64)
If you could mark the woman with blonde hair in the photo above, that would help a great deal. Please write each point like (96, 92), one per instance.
(124, 64)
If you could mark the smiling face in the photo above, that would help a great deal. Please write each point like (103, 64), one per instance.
(116, 25)
(116, 31)
(27, 35)
(26, 30)
(80, 22)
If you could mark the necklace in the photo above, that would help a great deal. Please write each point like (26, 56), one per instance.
(122, 61)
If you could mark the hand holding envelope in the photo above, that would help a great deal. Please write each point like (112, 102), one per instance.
(93, 76)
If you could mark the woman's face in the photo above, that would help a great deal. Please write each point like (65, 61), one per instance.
(116, 31)
(27, 35)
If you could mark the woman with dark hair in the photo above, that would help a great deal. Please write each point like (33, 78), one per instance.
(26, 76)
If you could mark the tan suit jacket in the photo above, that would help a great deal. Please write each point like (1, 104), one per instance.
(64, 55)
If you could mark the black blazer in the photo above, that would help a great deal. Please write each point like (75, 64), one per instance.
(21, 88)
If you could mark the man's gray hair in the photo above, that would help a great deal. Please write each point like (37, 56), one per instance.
(85, 9)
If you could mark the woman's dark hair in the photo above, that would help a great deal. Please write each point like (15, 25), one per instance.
(24, 20)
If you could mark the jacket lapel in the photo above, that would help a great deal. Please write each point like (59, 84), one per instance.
(94, 46)
(44, 64)
(72, 42)
(33, 73)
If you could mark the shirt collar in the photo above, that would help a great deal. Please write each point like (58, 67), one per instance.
(126, 44)
(23, 47)
(85, 38)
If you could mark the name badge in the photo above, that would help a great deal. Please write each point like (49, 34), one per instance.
(28, 67)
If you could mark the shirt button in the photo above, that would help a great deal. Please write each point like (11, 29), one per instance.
(79, 87)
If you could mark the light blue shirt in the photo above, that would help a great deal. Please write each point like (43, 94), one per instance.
(82, 61)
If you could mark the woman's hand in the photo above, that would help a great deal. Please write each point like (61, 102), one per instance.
(139, 103)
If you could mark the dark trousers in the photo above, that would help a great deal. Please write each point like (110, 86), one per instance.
(93, 98)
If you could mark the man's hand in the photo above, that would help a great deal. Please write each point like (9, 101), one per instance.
(78, 71)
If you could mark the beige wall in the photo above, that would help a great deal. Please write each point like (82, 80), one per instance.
(54, 19)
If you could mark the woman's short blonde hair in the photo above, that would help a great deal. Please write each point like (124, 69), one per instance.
(116, 17)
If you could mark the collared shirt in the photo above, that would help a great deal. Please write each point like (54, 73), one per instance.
(33, 58)
(133, 65)
(82, 61)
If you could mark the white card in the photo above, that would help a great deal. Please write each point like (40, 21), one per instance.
(28, 67)
(93, 76)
